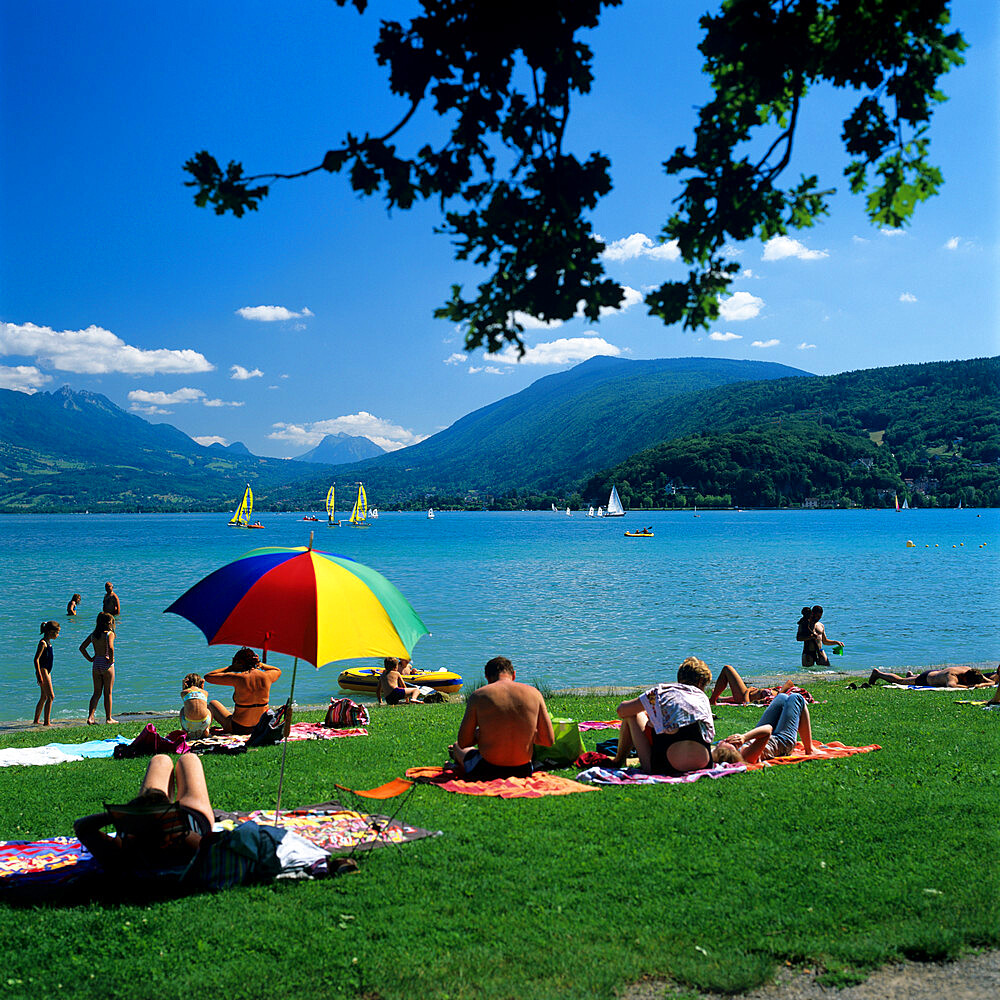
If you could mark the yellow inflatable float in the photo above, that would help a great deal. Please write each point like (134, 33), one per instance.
(365, 680)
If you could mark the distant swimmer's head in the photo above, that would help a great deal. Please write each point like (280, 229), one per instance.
(244, 659)
(497, 666)
(694, 672)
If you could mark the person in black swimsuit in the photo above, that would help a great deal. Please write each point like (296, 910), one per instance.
(43, 670)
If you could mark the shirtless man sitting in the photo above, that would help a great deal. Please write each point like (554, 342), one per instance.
(941, 677)
(391, 685)
(502, 723)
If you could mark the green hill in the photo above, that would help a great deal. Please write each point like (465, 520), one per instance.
(928, 433)
(71, 451)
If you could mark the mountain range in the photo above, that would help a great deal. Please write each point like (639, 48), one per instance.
(338, 449)
(655, 427)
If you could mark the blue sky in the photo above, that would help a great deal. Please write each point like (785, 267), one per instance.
(314, 315)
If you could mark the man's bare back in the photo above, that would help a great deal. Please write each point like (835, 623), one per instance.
(943, 677)
(505, 719)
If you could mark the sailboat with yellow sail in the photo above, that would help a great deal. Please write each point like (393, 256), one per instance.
(331, 510)
(241, 516)
(359, 516)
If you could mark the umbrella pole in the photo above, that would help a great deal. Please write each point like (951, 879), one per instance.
(284, 742)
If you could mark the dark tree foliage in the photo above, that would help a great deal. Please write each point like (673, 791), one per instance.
(516, 201)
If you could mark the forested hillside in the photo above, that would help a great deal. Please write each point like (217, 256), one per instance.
(927, 433)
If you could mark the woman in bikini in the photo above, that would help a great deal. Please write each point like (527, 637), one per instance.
(43, 670)
(784, 721)
(102, 639)
(670, 725)
(196, 719)
(251, 681)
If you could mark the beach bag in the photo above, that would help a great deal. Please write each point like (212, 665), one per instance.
(567, 746)
(269, 729)
(343, 713)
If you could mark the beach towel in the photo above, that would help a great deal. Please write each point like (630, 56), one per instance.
(921, 687)
(59, 753)
(541, 783)
(980, 704)
(334, 828)
(31, 857)
(829, 751)
(633, 776)
(600, 724)
(218, 741)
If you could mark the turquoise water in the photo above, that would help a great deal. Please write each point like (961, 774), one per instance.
(569, 599)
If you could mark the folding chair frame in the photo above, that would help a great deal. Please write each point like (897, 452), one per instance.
(398, 788)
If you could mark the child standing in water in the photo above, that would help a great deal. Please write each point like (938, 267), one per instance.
(74, 602)
(43, 670)
(196, 719)
(103, 660)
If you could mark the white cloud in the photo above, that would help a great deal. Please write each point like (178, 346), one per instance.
(632, 298)
(22, 378)
(241, 374)
(145, 401)
(564, 351)
(907, 297)
(719, 335)
(175, 398)
(486, 370)
(95, 351)
(740, 306)
(748, 272)
(892, 232)
(639, 245)
(208, 439)
(806, 347)
(765, 343)
(271, 314)
(534, 323)
(860, 239)
(952, 244)
(780, 247)
(385, 434)
(458, 358)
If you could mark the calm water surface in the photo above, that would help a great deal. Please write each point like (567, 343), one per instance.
(569, 599)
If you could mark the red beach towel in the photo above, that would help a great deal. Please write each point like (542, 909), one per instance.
(541, 783)
(829, 752)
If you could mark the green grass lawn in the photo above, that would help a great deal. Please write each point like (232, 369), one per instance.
(839, 865)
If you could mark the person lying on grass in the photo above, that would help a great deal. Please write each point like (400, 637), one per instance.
(942, 677)
(743, 694)
(670, 726)
(502, 723)
(157, 844)
(784, 721)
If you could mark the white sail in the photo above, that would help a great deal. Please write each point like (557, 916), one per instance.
(569, 513)
(615, 508)
(590, 512)
(905, 506)
(600, 512)
(555, 509)
(373, 513)
(430, 514)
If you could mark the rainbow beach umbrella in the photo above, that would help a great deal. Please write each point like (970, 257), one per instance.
(311, 605)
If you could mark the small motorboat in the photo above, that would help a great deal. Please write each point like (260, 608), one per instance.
(365, 680)
(310, 518)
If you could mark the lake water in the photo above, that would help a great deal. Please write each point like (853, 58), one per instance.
(570, 600)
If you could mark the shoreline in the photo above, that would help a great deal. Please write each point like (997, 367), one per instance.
(799, 678)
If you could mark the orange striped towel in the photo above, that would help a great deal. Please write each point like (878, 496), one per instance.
(828, 752)
(541, 783)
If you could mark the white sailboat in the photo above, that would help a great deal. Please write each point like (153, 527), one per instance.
(359, 516)
(905, 506)
(373, 513)
(241, 516)
(569, 513)
(430, 513)
(600, 512)
(555, 509)
(590, 512)
(331, 510)
(615, 508)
